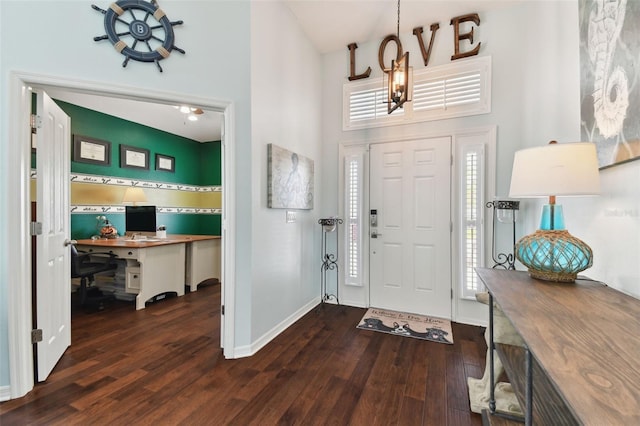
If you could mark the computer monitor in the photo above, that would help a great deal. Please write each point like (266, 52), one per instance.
(140, 219)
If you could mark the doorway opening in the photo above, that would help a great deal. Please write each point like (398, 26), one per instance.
(19, 294)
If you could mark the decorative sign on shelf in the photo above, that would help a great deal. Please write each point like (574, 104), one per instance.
(136, 21)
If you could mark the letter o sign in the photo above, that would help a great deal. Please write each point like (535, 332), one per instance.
(382, 48)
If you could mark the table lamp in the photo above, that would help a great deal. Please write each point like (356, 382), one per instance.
(569, 169)
(134, 195)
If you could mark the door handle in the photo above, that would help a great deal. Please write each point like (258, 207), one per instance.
(69, 242)
(374, 234)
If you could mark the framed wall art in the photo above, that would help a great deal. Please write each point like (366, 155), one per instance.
(165, 163)
(290, 179)
(90, 150)
(133, 157)
(610, 79)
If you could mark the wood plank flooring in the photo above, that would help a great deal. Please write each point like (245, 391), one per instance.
(163, 366)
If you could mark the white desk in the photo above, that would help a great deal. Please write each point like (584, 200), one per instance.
(203, 261)
(156, 266)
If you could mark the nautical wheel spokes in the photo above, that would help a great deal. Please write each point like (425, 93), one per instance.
(139, 30)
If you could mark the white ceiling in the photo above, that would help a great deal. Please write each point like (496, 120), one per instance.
(330, 24)
(158, 116)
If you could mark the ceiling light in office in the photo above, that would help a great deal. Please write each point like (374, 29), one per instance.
(185, 109)
(190, 112)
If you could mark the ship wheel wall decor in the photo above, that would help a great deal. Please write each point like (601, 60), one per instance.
(142, 23)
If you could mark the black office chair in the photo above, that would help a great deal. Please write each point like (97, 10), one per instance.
(85, 266)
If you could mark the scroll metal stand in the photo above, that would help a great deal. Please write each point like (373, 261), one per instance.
(504, 211)
(329, 260)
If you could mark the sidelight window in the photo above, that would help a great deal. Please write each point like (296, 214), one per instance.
(354, 196)
(471, 201)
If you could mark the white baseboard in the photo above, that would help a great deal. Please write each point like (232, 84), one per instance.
(5, 393)
(248, 350)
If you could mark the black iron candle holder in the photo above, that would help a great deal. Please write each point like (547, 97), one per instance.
(503, 260)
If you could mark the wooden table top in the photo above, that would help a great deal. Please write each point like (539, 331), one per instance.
(585, 335)
(150, 241)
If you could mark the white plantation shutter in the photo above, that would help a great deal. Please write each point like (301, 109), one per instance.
(471, 203)
(354, 205)
(462, 89)
(370, 105)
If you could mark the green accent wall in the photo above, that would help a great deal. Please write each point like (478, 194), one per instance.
(211, 163)
(195, 164)
(190, 156)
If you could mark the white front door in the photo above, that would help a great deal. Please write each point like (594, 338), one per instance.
(53, 274)
(410, 248)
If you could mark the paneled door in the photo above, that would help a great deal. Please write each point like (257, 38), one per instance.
(53, 273)
(410, 246)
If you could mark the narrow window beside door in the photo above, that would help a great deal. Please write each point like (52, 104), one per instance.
(354, 209)
(471, 204)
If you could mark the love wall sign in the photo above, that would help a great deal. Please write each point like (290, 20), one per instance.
(458, 37)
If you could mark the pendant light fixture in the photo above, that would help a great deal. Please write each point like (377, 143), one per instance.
(398, 85)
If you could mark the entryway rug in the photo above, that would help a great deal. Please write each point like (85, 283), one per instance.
(409, 325)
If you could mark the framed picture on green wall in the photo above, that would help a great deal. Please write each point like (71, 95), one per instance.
(134, 157)
(165, 163)
(90, 150)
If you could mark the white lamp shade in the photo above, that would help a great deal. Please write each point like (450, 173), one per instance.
(569, 169)
(134, 195)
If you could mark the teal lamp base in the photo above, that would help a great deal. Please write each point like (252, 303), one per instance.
(554, 255)
(551, 253)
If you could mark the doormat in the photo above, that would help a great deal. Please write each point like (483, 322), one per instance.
(409, 325)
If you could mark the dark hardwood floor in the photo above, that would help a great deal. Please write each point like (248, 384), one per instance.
(163, 366)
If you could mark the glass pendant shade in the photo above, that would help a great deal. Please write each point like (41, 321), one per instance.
(398, 83)
(551, 253)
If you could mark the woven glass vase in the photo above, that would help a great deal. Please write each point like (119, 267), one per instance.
(552, 253)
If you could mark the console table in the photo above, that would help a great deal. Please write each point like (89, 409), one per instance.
(580, 363)
(161, 265)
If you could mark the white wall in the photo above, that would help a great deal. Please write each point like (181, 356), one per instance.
(286, 95)
(55, 38)
(535, 98)
(609, 223)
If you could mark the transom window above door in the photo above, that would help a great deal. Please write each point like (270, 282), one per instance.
(459, 89)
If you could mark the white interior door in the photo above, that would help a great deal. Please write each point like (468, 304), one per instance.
(410, 248)
(53, 273)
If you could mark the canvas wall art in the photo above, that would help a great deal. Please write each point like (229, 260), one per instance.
(610, 78)
(290, 179)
